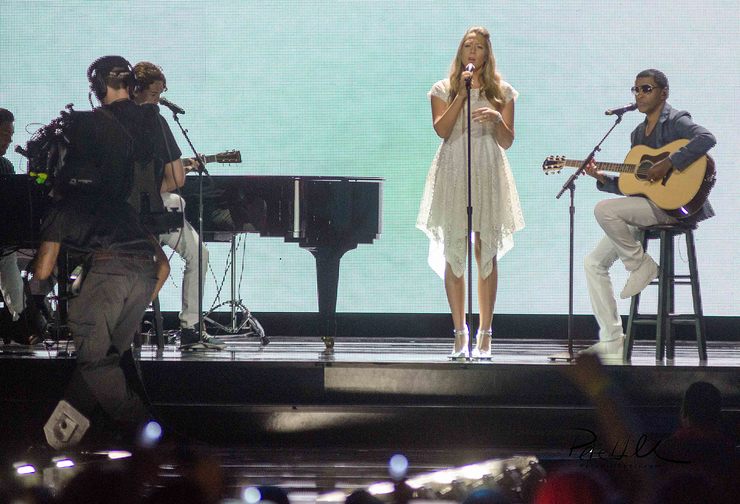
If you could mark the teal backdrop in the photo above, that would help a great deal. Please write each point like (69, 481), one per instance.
(340, 88)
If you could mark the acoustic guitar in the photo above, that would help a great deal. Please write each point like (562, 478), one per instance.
(232, 156)
(680, 193)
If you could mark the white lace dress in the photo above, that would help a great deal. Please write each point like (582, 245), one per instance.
(497, 213)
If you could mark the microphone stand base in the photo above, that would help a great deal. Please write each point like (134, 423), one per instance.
(562, 356)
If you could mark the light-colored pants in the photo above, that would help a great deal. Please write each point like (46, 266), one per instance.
(186, 246)
(620, 219)
(11, 284)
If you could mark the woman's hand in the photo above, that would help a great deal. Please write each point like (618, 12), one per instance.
(464, 76)
(486, 115)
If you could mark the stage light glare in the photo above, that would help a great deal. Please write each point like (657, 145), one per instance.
(251, 495)
(473, 472)
(415, 484)
(335, 496)
(150, 434)
(382, 488)
(23, 469)
(64, 462)
(398, 465)
(444, 477)
(118, 454)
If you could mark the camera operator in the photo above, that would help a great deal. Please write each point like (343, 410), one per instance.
(124, 266)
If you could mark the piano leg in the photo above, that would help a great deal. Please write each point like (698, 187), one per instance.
(327, 282)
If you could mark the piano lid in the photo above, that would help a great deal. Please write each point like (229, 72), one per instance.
(298, 208)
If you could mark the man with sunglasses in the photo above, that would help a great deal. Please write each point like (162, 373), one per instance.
(620, 218)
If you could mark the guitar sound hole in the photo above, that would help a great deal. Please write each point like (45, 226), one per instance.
(642, 170)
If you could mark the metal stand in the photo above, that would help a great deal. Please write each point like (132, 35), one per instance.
(201, 171)
(570, 185)
(468, 82)
(249, 323)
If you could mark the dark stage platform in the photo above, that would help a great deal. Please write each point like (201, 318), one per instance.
(288, 414)
(383, 391)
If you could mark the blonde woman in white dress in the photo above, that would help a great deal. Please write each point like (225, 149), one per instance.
(497, 213)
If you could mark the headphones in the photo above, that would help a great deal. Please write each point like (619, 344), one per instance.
(100, 69)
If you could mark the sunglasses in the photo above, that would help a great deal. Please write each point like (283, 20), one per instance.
(644, 89)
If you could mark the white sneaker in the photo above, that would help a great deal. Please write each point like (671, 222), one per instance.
(610, 349)
(640, 278)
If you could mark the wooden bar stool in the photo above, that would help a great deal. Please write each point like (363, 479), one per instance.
(665, 319)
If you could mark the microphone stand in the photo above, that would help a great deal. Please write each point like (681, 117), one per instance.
(468, 82)
(201, 171)
(570, 185)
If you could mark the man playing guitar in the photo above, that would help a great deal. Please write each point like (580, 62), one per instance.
(620, 218)
(150, 84)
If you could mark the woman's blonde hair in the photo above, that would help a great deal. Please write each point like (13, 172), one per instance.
(490, 80)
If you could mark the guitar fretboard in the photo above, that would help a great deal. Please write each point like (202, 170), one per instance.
(612, 167)
(208, 159)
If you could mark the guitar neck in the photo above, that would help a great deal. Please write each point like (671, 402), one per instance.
(207, 159)
(610, 167)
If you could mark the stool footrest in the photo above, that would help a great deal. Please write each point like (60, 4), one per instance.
(684, 320)
(674, 319)
(682, 280)
(644, 321)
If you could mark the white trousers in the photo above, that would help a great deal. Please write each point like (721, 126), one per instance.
(620, 219)
(11, 284)
(185, 243)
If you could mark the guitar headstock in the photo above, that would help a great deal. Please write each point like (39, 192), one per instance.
(553, 164)
(232, 156)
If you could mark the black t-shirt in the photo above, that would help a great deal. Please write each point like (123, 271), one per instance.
(107, 146)
(87, 225)
(107, 142)
(170, 151)
(6, 167)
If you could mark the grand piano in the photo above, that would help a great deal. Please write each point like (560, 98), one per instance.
(325, 215)
(23, 205)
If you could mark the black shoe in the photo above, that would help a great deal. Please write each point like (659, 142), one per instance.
(29, 329)
(189, 340)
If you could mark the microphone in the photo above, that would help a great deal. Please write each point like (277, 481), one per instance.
(469, 68)
(174, 108)
(621, 110)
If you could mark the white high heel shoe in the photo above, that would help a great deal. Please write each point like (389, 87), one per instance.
(477, 352)
(460, 337)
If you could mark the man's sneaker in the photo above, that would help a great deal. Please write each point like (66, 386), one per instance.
(189, 340)
(212, 342)
(611, 349)
(640, 278)
(30, 328)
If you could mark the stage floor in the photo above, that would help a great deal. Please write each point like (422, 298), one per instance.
(397, 350)
(290, 415)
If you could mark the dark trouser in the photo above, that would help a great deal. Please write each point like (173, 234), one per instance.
(103, 319)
